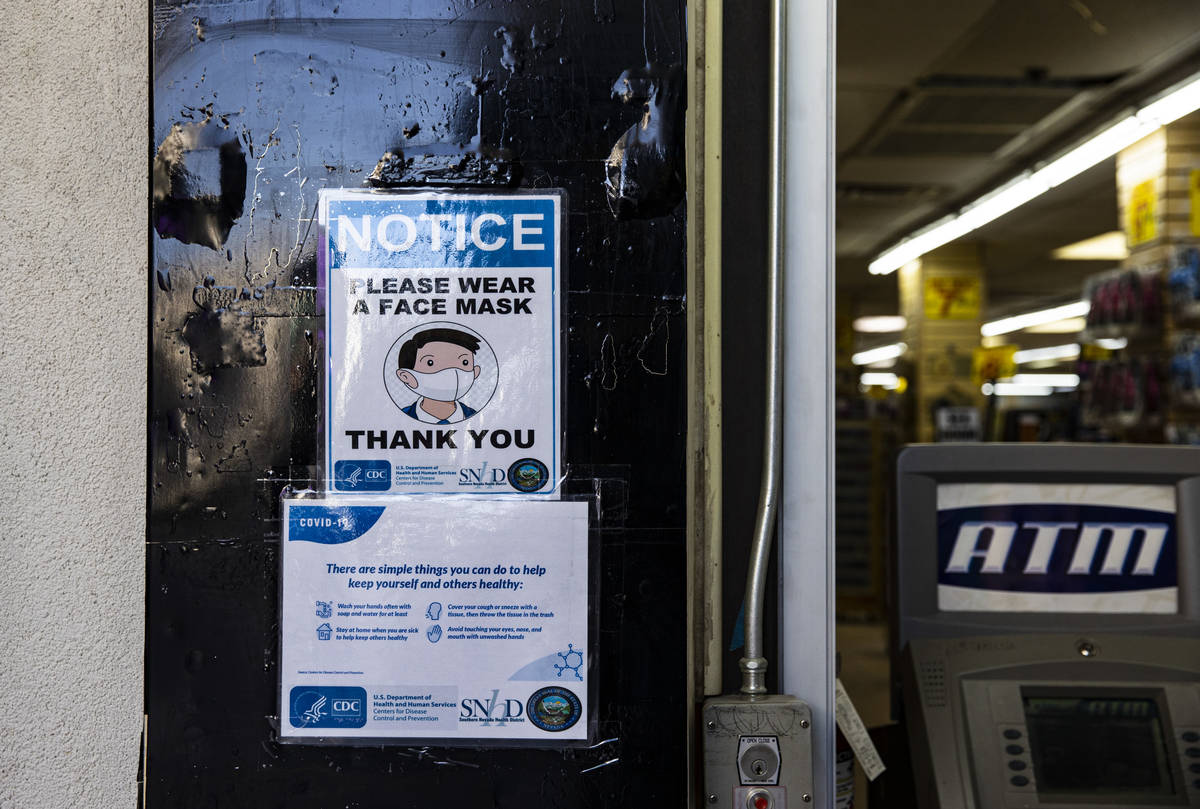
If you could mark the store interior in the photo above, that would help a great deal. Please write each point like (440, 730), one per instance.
(1016, 252)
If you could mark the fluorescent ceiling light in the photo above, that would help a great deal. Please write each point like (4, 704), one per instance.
(1039, 318)
(880, 324)
(1047, 354)
(1050, 380)
(1071, 325)
(1105, 247)
(1113, 343)
(1170, 105)
(880, 354)
(1011, 389)
(884, 380)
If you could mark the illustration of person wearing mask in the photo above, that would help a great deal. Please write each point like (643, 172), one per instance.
(439, 366)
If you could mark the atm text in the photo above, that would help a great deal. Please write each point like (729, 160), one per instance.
(1082, 541)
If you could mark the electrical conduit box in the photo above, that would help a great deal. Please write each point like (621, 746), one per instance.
(757, 752)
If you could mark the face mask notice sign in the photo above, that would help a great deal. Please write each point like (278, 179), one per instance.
(415, 618)
(442, 317)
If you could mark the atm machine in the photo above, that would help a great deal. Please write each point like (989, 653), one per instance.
(1047, 625)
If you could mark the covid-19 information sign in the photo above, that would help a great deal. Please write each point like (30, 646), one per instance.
(434, 618)
(443, 344)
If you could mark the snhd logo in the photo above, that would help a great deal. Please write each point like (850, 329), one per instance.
(481, 476)
(362, 476)
(491, 710)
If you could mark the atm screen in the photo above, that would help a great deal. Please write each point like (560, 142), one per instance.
(1102, 748)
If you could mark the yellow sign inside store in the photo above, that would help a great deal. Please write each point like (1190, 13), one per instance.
(993, 363)
(952, 297)
(1194, 201)
(1141, 212)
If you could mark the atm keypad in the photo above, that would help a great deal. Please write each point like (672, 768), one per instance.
(1017, 771)
(1189, 754)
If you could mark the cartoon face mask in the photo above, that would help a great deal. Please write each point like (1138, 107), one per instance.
(446, 385)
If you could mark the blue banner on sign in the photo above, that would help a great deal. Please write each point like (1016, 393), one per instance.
(395, 231)
(328, 706)
(1057, 548)
(328, 525)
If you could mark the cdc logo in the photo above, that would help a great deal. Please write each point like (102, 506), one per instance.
(328, 706)
(344, 708)
(362, 476)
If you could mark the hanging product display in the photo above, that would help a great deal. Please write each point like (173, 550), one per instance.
(1183, 283)
(1123, 392)
(1124, 303)
(442, 316)
(1185, 369)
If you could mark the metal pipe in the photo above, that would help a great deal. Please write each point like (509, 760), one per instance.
(754, 665)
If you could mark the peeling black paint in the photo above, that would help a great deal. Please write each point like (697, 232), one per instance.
(513, 56)
(225, 339)
(475, 167)
(190, 204)
(645, 170)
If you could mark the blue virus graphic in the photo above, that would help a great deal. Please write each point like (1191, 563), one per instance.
(572, 662)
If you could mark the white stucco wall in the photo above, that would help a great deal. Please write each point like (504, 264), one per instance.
(73, 191)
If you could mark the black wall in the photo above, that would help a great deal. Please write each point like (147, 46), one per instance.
(258, 105)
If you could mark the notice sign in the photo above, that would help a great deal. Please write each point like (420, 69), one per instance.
(422, 619)
(442, 316)
(1038, 547)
